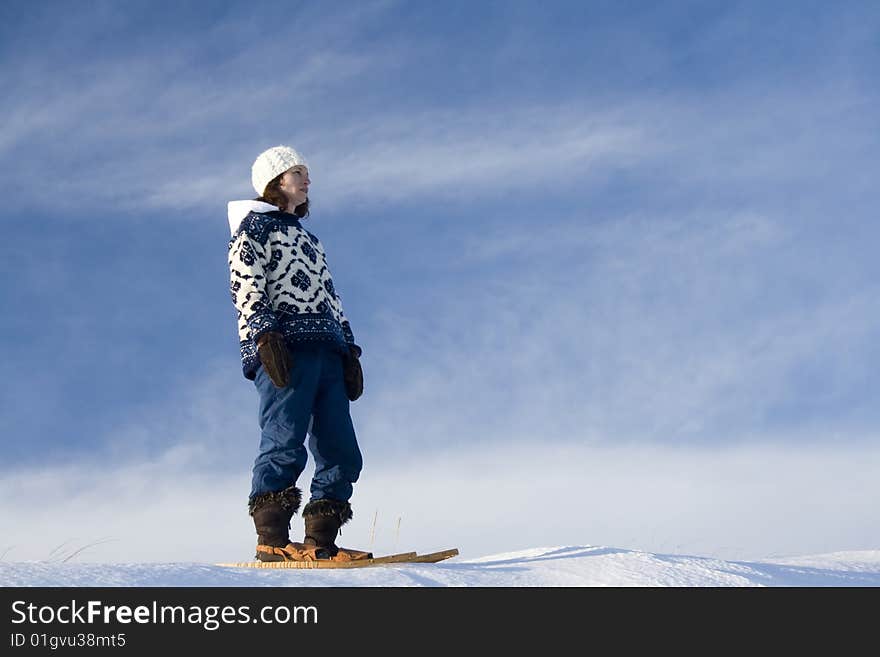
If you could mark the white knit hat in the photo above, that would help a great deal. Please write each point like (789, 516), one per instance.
(273, 162)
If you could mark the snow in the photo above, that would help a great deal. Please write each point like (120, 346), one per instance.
(571, 566)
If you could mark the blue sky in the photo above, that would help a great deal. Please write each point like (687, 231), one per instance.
(600, 226)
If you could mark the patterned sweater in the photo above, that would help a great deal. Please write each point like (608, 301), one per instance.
(279, 281)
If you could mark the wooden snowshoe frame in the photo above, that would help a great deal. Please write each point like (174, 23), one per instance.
(403, 557)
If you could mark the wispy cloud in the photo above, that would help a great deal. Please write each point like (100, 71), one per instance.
(174, 157)
(450, 155)
(117, 128)
(178, 127)
(644, 328)
(732, 502)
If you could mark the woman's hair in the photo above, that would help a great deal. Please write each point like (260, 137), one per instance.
(275, 196)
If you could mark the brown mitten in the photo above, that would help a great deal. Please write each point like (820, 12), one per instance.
(275, 357)
(354, 376)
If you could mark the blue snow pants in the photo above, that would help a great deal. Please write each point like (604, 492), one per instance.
(314, 402)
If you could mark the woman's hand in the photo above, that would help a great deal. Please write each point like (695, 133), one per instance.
(275, 357)
(353, 375)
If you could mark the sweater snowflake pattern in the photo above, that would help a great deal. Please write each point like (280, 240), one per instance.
(279, 281)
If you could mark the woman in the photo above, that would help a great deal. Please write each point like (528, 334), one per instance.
(298, 348)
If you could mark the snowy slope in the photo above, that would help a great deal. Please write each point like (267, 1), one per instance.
(545, 567)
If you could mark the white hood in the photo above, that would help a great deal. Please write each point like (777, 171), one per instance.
(238, 210)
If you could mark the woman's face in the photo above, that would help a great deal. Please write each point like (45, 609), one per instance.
(295, 185)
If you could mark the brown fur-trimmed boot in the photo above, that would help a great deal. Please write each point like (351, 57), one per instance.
(272, 513)
(323, 519)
